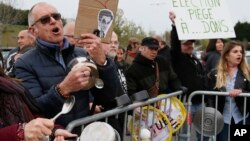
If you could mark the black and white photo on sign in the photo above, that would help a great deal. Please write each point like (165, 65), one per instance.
(105, 19)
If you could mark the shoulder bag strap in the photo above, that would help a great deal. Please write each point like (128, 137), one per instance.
(157, 82)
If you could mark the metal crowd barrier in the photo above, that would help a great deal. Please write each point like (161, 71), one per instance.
(210, 93)
(115, 112)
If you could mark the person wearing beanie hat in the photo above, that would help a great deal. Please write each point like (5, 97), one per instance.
(132, 49)
(142, 74)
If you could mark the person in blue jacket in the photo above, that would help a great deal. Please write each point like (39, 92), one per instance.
(44, 70)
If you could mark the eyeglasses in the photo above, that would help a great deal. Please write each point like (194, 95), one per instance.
(47, 18)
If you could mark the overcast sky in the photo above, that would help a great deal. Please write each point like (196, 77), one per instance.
(150, 14)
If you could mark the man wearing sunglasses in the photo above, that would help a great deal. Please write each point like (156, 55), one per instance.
(44, 70)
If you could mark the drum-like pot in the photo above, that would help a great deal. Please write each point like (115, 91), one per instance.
(99, 131)
(94, 79)
(213, 121)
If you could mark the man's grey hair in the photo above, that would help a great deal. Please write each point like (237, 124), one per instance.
(67, 25)
(28, 34)
(30, 16)
(31, 19)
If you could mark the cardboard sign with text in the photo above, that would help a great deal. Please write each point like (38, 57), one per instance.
(96, 14)
(202, 19)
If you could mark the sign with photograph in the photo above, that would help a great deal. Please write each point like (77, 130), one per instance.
(202, 19)
(96, 16)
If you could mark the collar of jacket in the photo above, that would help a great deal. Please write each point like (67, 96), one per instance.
(144, 61)
(45, 44)
(50, 49)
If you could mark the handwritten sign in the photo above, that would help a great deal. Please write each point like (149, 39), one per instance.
(96, 15)
(202, 19)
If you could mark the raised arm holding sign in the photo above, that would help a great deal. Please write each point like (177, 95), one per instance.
(184, 59)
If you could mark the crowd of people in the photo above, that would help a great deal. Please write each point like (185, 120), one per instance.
(37, 79)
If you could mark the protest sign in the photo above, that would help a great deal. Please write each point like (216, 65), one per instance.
(96, 15)
(202, 19)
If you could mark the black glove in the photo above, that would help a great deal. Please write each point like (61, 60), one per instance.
(184, 89)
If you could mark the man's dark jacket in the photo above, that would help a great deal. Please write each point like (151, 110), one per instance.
(189, 69)
(40, 72)
(141, 75)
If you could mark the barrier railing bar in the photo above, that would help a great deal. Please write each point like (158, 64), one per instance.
(118, 110)
(212, 93)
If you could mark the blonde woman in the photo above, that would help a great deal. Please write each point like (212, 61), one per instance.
(232, 75)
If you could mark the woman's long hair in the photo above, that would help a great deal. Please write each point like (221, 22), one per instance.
(222, 67)
(212, 44)
(14, 104)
